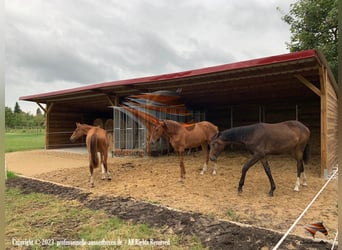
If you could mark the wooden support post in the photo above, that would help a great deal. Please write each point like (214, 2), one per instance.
(47, 123)
(324, 120)
(41, 106)
(110, 100)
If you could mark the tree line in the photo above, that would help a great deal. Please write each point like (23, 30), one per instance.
(17, 118)
(314, 24)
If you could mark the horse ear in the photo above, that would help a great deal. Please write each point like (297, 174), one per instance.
(163, 124)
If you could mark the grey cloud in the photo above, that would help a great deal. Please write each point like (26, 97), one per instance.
(86, 41)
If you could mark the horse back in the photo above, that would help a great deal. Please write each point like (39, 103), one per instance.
(101, 138)
(208, 129)
(282, 136)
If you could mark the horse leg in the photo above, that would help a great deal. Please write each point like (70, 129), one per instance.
(269, 175)
(206, 155)
(182, 168)
(103, 169)
(91, 176)
(304, 179)
(245, 168)
(300, 171)
(105, 158)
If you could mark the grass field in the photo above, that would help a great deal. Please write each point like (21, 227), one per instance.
(19, 140)
(46, 222)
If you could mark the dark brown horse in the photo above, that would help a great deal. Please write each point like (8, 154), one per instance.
(264, 139)
(97, 141)
(183, 136)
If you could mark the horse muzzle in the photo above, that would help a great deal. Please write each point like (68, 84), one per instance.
(213, 158)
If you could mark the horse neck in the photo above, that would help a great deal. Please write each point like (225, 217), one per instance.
(85, 128)
(238, 134)
(172, 127)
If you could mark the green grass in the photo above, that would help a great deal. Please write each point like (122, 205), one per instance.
(36, 216)
(10, 175)
(19, 140)
(233, 216)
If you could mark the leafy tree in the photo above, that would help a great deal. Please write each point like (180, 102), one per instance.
(314, 24)
(38, 112)
(22, 119)
(9, 118)
(17, 108)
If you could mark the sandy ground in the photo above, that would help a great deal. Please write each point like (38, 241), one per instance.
(155, 179)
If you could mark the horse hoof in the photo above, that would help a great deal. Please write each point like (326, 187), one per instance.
(214, 173)
(304, 184)
(201, 173)
(181, 180)
(92, 186)
(109, 178)
(270, 194)
(296, 189)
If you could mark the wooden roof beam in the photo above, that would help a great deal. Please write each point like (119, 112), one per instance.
(308, 84)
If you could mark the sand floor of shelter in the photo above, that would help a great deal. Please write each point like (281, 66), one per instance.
(155, 179)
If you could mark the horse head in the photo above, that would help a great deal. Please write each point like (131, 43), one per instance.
(78, 132)
(216, 147)
(157, 131)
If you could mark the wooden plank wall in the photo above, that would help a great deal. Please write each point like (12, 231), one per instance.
(306, 112)
(332, 125)
(61, 123)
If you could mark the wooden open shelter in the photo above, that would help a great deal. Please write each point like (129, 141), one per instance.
(294, 86)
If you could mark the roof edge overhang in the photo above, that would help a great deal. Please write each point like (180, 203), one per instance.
(283, 58)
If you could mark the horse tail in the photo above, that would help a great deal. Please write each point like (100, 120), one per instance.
(306, 153)
(93, 151)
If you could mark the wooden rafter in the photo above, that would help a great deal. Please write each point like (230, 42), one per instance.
(308, 84)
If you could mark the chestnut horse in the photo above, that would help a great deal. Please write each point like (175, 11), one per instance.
(183, 136)
(97, 141)
(264, 139)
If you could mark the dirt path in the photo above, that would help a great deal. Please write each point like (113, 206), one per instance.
(155, 180)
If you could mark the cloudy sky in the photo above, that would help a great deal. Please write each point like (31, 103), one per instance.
(59, 44)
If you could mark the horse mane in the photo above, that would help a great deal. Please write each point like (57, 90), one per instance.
(238, 134)
(172, 126)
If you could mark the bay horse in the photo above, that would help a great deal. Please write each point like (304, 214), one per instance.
(97, 141)
(264, 139)
(183, 136)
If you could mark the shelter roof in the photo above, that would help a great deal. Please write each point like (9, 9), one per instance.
(254, 81)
